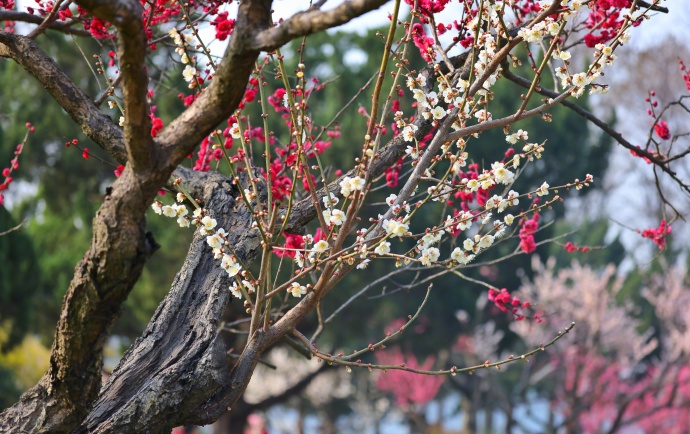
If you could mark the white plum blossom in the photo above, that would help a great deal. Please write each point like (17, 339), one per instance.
(180, 197)
(235, 132)
(412, 152)
(508, 219)
(413, 82)
(215, 241)
(516, 161)
(543, 190)
(501, 174)
(512, 198)
(157, 207)
(180, 39)
(430, 100)
(326, 215)
(464, 221)
(249, 286)
(530, 35)
(485, 241)
(519, 134)
(457, 254)
(208, 224)
(229, 264)
(502, 205)
(332, 202)
(173, 33)
(486, 180)
(345, 188)
(235, 290)
(337, 217)
(169, 211)
(395, 228)
(438, 112)
(349, 185)
(357, 183)
(299, 259)
(493, 202)
(430, 239)
(482, 115)
(429, 256)
(188, 73)
(297, 290)
(183, 222)
(439, 193)
(390, 200)
(383, 248)
(321, 246)
(500, 229)
(364, 264)
(472, 184)
(448, 95)
(408, 132)
(180, 210)
(580, 79)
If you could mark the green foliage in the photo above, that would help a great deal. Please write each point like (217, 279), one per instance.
(9, 392)
(20, 366)
(18, 283)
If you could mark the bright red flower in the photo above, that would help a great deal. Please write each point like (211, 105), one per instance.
(661, 130)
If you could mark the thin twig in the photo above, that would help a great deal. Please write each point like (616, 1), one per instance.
(16, 228)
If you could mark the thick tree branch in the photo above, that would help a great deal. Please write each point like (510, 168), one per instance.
(312, 21)
(184, 355)
(217, 102)
(96, 125)
(126, 15)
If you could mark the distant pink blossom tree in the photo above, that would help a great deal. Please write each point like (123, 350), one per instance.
(615, 376)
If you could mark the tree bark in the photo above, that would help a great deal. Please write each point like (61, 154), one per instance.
(180, 360)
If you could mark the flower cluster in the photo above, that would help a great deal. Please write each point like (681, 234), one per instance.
(508, 303)
(350, 185)
(529, 227)
(570, 248)
(224, 26)
(14, 164)
(604, 19)
(183, 41)
(659, 234)
(686, 74)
